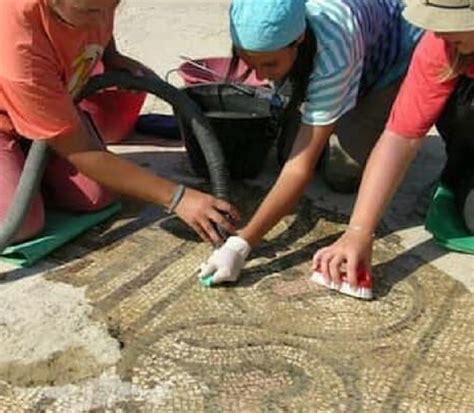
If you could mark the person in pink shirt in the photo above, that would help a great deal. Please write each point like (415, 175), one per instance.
(48, 51)
(438, 90)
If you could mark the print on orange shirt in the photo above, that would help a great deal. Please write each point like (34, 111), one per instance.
(83, 66)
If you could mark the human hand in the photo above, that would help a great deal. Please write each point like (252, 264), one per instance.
(225, 263)
(202, 212)
(352, 251)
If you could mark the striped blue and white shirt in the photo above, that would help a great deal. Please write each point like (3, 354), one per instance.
(362, 45)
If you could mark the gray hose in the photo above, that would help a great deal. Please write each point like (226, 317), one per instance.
(27, 188)
(36, 160)
(218, 172)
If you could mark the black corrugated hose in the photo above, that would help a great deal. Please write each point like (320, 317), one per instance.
(37, 156)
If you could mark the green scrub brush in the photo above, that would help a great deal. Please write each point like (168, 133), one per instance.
(206, 281)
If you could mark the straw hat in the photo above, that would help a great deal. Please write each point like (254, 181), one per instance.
(441, 15)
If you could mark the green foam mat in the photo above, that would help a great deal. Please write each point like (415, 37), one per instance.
(60, 228)
(446, 224)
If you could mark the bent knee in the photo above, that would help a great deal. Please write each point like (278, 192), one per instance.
(342, 180)
(96, 200)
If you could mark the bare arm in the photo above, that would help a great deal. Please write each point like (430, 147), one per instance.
(295, 175)
(197, 209)
(91, 158)
(385, 169)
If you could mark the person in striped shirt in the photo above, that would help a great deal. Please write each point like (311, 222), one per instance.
(343, 61)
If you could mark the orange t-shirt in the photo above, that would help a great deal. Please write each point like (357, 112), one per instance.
(44, 63)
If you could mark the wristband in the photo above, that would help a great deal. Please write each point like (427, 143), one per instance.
(359, 228)
(177, 196)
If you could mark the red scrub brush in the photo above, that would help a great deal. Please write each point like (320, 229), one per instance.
(363, 289)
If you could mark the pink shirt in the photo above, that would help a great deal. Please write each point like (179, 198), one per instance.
(423, 95)
(44, 63)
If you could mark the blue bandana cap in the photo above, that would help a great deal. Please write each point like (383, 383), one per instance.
(266, 25)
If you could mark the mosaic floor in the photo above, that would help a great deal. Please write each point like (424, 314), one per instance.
(272, 343)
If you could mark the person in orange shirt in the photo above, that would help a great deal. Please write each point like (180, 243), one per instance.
(49, 49)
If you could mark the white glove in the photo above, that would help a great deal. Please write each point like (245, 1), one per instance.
(227, 261)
